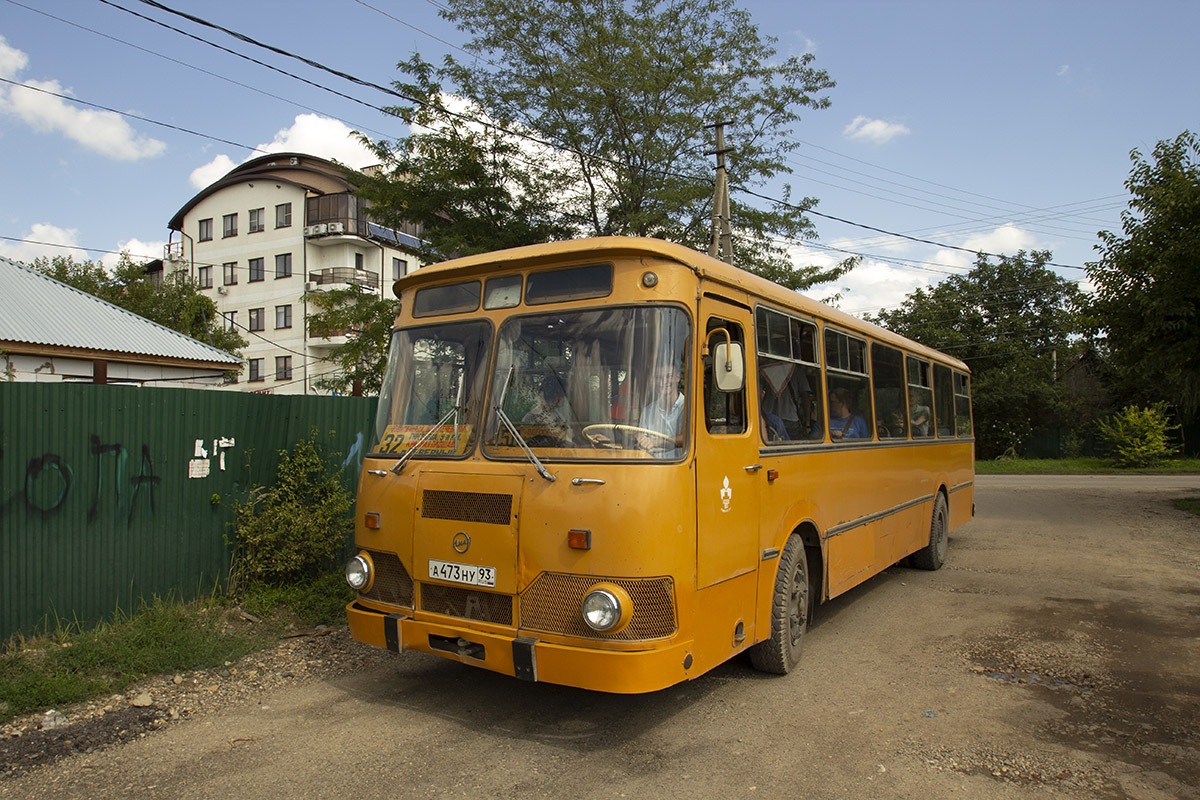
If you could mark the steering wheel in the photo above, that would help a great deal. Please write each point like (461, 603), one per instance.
(590, 433)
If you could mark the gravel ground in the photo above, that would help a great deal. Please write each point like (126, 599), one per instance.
(161, 700)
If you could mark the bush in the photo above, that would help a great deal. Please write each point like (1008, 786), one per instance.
(1139, 437)
(295, 530)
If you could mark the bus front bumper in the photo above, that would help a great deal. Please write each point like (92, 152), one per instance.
(619, 671)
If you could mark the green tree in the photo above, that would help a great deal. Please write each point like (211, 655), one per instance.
(174, 303)
(1146, 306)
(613, 98)
(1010, 319)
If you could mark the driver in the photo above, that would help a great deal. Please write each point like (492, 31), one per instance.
(663, 414)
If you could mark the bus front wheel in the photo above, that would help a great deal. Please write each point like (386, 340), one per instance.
(933, 555)
(789, 612)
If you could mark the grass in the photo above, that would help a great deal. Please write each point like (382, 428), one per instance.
(70, 665)
(1098, 466)
(1189, 504)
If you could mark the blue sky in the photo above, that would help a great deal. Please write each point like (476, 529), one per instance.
(989, 126)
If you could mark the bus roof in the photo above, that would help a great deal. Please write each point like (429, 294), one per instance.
(706, 267)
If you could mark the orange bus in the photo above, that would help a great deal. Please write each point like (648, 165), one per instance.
(616, 463)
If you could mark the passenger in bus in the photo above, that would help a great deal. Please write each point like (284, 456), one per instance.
(663, 414)
(919, 414)
(773, 429)
(546, 413)
(843, 423)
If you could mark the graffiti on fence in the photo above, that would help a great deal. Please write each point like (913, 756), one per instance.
(46, 487)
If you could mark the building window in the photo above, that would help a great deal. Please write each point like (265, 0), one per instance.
(205, 277)
(283, 368)
(257, 220)
(230, 320)
(256, 369)
(283, 265)
(228, 226)
(256, 269)
(230, 269)
(399, 268)
(283, 215)
(283, 316)
(257, 321)
(358, 260)
(205, 230)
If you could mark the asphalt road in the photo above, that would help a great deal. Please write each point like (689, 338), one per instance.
(1057, 651)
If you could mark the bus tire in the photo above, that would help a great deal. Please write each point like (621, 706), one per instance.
(789, 612)
(933, 555)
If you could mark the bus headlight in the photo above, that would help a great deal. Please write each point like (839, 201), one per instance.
(607, 608)
(358, 573)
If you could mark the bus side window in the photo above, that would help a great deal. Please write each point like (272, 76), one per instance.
(887, 369)
(920, 398)
(724, 412)
(847, 387)
(943, 396)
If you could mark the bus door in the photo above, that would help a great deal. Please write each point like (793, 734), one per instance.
(727, 463)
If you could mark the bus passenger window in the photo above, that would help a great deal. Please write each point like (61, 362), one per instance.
(848, 387)
(920, 398)
(887, 372)
(962, 404)
(724, 412)
(943, 396)
(789, 378)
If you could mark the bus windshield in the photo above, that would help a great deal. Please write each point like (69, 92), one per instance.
(432, 392)
(600, 383)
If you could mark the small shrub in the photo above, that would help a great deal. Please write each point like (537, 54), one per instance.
(1139, 437)
(294, 530)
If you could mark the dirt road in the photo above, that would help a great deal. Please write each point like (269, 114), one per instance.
(1057, 651)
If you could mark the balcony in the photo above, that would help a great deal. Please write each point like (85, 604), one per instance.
(342, 278)
(336, 338)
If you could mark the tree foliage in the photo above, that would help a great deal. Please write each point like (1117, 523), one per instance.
(366, 320)
(1139, 437)
(174, 303)
(594, 115)
(1009, 319)
(1147, 300)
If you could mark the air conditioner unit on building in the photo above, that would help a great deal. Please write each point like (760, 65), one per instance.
(308, 230)
(222, 290)
(314, 230)
(337, 227)
(311, 286)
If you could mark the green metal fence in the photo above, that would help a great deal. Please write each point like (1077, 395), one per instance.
(111, 494)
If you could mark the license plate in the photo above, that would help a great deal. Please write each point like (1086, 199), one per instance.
(462, 573)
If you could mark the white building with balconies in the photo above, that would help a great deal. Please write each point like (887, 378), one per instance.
(264, 237)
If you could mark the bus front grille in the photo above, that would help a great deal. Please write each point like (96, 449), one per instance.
(552, 604)
(392, 582)
(493, 509)
(467, 603)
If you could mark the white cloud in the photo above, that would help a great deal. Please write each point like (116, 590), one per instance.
(867, 288)
(875, 131)
(204, 175)
(12, 60)
(29, 248)
(309, 133)
(1063, 70)
(138, 250)
(103, 132)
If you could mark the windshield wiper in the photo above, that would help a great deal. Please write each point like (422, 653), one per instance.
(524, 447)
(399, 465)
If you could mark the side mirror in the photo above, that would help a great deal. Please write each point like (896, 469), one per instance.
(729, 366)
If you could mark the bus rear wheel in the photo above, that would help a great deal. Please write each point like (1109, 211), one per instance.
(789, 613)
(933, 555)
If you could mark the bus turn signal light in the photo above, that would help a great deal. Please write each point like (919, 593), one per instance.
(579, 539)
(371, 520)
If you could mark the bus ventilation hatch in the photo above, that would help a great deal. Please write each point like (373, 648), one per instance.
(552, 603)
(491, 509)
(467, 603)
(392, 582)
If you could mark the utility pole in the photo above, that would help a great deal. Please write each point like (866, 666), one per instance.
(720, 244)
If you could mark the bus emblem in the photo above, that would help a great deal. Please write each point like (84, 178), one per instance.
(726, 496)
(462, 542)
